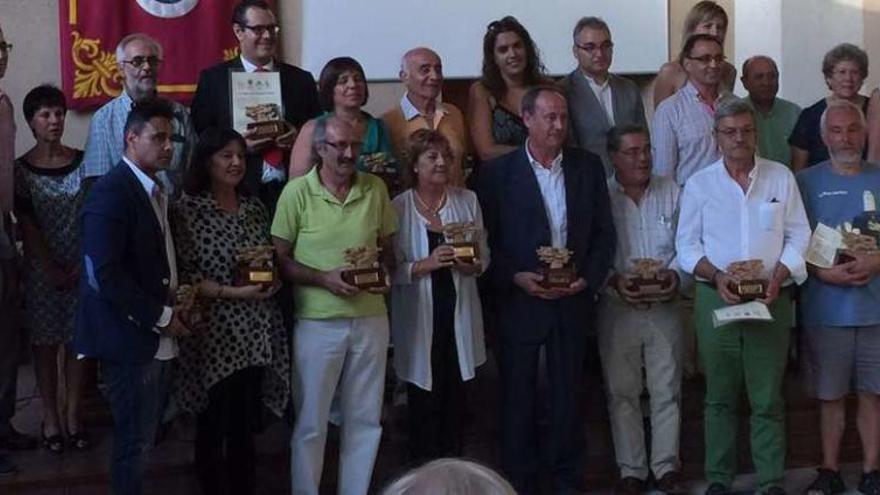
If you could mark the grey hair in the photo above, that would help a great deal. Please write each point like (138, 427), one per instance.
(128, 39)
(731, 106)
(845, 52)
(590, 22)
(836, 104)
(745, 67)
(450, 477)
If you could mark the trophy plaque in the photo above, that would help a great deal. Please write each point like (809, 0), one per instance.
(855, 242)
(194, 312)
(365, 271)
(255, 265)
(462, 237)
(257, 109)
(557, 270)
(645, 280)
(751, 285)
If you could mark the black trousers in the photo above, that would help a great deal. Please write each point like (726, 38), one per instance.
(563, 444)
(224, 449)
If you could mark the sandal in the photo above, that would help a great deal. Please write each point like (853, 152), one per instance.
(54, 443)
(79, 441)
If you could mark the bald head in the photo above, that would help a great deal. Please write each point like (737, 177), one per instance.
(422, 73)
(760, 77)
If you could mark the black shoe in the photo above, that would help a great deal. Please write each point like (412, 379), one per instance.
(669, 483)
(18, 441)
(774, 490)
(827, 482)
(7, 468)
(715, 489)
(870, 484)
(629, 485)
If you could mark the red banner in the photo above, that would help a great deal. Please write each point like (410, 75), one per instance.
(194, 34)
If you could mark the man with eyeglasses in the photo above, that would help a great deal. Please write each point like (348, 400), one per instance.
(639, 332)
(138, 58)
(341, 334)
(743, 207)
(597, 99)
(682, 140)
(256, 29)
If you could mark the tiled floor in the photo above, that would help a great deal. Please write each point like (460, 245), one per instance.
(170, 473)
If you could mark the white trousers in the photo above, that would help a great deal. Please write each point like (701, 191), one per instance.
(630, 339)
(350, 353)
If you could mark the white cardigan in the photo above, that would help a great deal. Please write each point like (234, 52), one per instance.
(412, 317)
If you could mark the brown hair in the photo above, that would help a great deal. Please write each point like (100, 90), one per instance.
(491, 76)
(418, 143)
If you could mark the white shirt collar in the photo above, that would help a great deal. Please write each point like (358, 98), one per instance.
(410, 111)
(555, 165)
(595, 84)
(146, 182)
(249, 67)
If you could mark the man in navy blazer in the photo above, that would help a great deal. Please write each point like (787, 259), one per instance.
(545, 195)
(254, 25)
(125, 318)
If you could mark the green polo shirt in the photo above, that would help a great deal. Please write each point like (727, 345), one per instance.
(320, 228)
(774, 128)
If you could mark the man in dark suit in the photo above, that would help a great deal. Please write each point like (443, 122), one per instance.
(255, 28)
(544, 195)
(125, 318)
(597, 99)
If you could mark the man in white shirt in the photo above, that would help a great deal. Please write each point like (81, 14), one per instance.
(638, 330)
(741, 208)
(597, 99)
(126, 318)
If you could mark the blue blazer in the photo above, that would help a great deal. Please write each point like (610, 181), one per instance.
(517, 224)
(125, 275)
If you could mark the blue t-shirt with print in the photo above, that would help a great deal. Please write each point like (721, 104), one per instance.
(833, 200)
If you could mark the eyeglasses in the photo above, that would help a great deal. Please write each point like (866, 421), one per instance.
(846, 73)
(708, 59)
(606, 46)
(261, 29)
(5, 47)
(730, 132)
(139, 61)
(342, 146)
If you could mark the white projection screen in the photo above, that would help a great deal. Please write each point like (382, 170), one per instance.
(378, 32)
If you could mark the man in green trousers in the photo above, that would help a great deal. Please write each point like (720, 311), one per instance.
(743, 208)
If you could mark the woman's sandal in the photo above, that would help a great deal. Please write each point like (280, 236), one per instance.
(53, 443)
(79, 441)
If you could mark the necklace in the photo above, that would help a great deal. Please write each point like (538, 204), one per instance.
(433, 211)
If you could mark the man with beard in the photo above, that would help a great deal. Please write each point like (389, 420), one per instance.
(340, 339)
(138, 57)
(597, 99)
(841, 304)
(682, 140)
(422, 74)
(257, 31)
(545, 195)
(774, 117)
(741, 208)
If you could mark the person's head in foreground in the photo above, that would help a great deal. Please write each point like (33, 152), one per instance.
(450, 477)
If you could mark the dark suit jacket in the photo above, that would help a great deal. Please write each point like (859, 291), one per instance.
(211, 106)
(588, 122)
(517, 224)
(125, 274)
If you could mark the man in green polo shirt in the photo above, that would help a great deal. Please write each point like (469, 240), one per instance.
(341, 335)
(774, 117)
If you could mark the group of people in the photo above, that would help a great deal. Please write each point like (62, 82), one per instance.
(164, 197)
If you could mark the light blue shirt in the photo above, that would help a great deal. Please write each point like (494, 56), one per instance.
(106, 142)
(834, 199)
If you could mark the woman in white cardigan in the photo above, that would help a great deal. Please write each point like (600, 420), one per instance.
(436, 318)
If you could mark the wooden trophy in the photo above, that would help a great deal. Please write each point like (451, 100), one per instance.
(645, 280)
(255, 265)
(194, 307)
(751, 285)
(462, 237)
(855, 242)
(365, 271)
(557, 270)
(267, 122)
